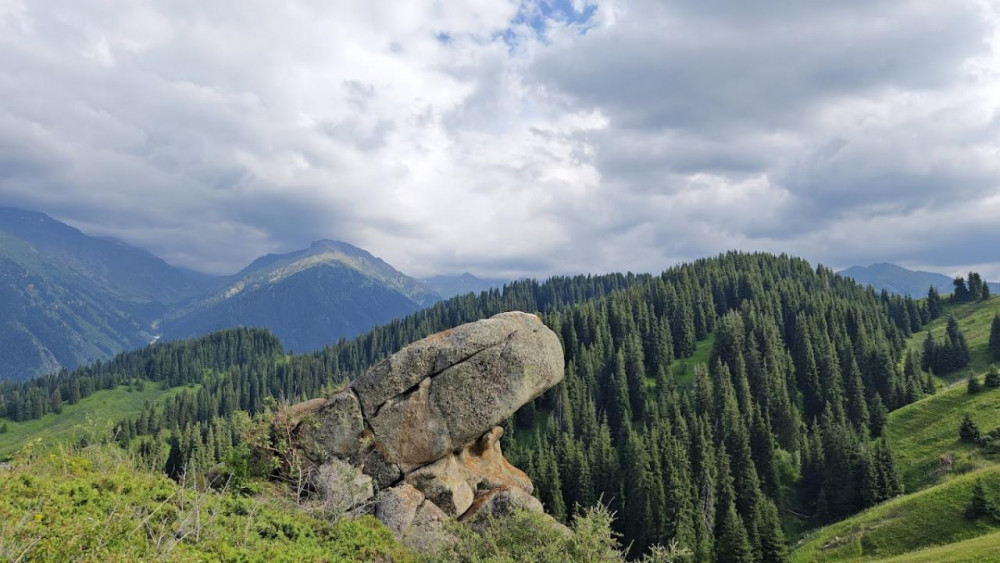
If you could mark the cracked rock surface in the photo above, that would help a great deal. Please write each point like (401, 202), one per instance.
(423, 424)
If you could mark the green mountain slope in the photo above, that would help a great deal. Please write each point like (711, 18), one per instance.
(974, 321)
(937, 468)
(92, 416)
(669, 444)
(67, 299)
(931, 517)
(309, 299)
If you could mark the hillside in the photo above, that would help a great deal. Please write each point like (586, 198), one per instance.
(54, 315)
(974, 321)
(100, 504)
(931, 517)
(67, 299)
(739, 339)
(308, 299)
(937, 469)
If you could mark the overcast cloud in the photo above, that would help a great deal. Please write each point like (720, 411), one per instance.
(511, 138)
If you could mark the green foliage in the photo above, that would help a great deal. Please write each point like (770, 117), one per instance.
(975, 320)
(993, 378)
(949, 355)
(99, 504)
(973, 385)
(994, 341)
(530, 536)
(968, 431)
(980, 504)
(786, 345)
(934, 516)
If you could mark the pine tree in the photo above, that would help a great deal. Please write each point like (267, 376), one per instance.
(980, 505)
(973, 386)
(993, 377)
(968, 431)
(731, 544)
(879, 416)
(773, 548)
(961, 293)
(934, 306)
(994, 342)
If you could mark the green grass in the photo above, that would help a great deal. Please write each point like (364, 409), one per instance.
(683, 369)
(974, 321)
(922, 432)
(984, 549)
(928, 518)
(91, 416)
(98, 504)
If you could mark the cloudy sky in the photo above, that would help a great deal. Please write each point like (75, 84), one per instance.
(511, 138)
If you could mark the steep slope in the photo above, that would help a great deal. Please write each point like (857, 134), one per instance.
(974, 321)
(309, 298)
(938, 470)
(132, 272)
(451, 285)
(902, 281)
(68, 299)
(928, 518)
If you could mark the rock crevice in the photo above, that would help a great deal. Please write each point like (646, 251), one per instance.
(422, 426)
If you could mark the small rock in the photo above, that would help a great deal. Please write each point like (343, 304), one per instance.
(445, 484)
(398, 507)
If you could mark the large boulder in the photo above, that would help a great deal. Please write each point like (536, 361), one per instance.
(417, 436)
(438, 394)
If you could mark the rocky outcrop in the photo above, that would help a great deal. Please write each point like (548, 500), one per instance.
(420, 429)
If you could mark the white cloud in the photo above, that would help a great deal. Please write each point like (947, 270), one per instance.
(505, 138)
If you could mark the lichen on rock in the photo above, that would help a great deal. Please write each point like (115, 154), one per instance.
(422, 425)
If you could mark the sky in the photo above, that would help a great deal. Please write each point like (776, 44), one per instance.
(511, 138)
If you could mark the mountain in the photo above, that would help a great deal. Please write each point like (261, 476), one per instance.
(308, 298)
(901, 281)
(451, 285)
(67, 299)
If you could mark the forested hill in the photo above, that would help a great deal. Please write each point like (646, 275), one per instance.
(779, 430)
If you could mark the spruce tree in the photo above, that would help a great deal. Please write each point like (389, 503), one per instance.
(934, 306)
(773, 548)
(879, 416)
(980, 504)
(731, 543)
(993, 377)
(968, 431)
(994, 342)
(973, 386)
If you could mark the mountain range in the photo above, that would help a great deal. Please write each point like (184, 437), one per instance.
(901, 281)
(67, 298)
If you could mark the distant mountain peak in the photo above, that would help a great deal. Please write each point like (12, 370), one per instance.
(897, 279)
